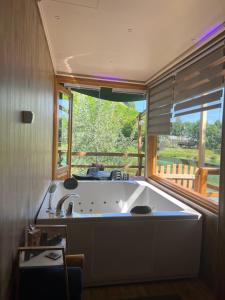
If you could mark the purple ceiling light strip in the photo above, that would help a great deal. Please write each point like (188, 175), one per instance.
(210, 32)
(105, 77)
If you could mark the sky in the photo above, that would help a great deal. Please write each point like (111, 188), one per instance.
(140, 105)
(212, 115)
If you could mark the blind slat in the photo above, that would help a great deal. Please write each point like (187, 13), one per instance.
(199, 101)
(160, 105)
(203, 108)
(160, 120)
(206, 75)
(159, 131)
(162, 102)
(201, 77)
(203, 63)
(187, 92)
(161, 110)
(203, 88)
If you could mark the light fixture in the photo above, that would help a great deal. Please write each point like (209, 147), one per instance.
(27, 116)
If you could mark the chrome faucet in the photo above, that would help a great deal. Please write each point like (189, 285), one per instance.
(59, 211)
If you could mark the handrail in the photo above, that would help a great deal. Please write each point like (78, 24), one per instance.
(116, 154)
(139, 166)
(193, 178)
(110, 166)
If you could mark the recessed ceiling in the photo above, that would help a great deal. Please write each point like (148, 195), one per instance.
(124, 39)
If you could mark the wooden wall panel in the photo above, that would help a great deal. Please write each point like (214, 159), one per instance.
(26, 83)
(221, 225)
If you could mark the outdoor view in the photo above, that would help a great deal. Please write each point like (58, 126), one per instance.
(112, 135)
(185, 152)
(108, 131)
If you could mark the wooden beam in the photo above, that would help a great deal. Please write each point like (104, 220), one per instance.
(100, 83)
(178, 176)
(151, 156)
(62, 89)
(61, 173)
(203, 175)
(139, 145)
(213, 187)
(116, 154)
(202, 136)
(127, 166)
(221, 221)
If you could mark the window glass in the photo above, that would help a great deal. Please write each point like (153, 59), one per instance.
(63, 125)
(190, 155)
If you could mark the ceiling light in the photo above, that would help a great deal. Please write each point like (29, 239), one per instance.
(211, 31)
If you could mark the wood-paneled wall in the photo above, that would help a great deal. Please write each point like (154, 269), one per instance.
(26, 83)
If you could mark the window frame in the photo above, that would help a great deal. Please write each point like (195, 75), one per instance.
(64, 171)
(182, 191)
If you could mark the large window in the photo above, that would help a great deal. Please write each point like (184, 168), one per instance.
(108, 134)
(62, 132)
(185, 128)
(192, 151)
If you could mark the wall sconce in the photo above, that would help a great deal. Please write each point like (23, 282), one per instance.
(27, 116)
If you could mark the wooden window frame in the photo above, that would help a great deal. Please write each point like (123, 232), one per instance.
(181, 191)
(65, 171)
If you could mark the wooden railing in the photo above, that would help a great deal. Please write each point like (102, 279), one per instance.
(201, 185)
(139, 166)
(191, 177)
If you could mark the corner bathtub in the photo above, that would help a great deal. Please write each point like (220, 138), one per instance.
(120, 247)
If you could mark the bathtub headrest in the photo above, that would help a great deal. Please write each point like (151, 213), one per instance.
(70, 183)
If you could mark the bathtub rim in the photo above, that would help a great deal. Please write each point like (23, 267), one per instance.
(186, 211)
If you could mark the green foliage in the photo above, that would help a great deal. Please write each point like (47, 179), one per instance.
(189, 154)
(170, 150)
(103, 126)
(191, 130)
(186, 129)
(213, 135)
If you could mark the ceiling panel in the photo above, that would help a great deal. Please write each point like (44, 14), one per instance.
(124, 39)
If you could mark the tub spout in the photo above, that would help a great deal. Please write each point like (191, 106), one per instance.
(59, 211)
(69, 211)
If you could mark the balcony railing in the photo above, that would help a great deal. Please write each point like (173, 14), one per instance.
(191, 177)
(139, 166)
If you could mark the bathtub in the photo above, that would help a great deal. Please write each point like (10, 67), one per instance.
(121, 247)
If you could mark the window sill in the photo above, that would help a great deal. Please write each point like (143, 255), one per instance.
(186, 193)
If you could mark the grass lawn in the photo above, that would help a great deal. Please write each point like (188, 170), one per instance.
(192, 154)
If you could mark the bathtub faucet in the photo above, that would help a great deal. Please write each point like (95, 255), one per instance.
(59, 211)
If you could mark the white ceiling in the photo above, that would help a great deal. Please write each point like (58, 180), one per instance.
(125, 39)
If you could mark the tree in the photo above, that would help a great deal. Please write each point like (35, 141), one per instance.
(213, 135)
(103, 126)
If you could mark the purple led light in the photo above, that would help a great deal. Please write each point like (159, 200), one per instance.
(100, 76)
(210, 31)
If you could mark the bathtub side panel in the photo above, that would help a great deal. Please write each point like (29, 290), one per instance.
(122, 251)
(177, 248)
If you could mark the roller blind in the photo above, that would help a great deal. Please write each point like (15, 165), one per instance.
(160, 108)
(197, 86)
(106, 93)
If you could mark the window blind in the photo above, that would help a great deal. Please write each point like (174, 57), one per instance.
(197, 86)
(159, 108)
(106, 93)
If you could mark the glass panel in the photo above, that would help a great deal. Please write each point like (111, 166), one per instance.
(105, 128)
(190, 155)
(63, 125)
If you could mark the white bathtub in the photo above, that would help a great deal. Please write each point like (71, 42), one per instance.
(121, 247)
